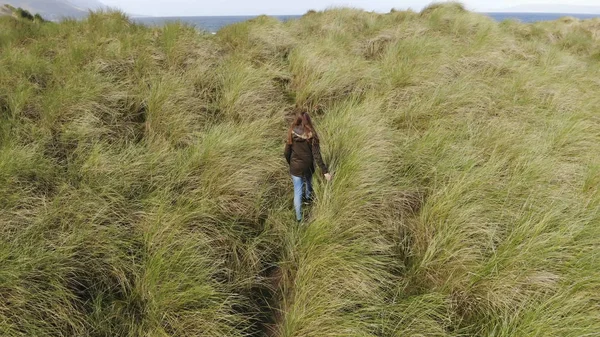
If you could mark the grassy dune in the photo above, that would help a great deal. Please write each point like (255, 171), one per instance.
(143, 190)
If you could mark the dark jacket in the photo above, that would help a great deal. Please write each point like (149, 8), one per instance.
(302, 154)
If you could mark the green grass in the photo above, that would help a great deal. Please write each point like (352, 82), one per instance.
(143, 190)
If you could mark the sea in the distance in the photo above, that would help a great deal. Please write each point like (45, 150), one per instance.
(214, 23)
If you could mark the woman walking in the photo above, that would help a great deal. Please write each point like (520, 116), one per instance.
(301, 151)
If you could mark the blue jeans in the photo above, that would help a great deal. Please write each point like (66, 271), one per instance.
(301, 184)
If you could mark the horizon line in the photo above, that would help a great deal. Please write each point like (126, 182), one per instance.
(256, 15)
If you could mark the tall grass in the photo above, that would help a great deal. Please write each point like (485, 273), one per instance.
(143, 191)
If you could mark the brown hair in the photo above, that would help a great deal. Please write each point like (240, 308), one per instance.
(304, 120)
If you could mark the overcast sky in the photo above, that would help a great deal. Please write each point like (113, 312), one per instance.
(274, 7)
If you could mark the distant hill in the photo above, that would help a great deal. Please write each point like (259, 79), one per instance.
(553, 8)
(5, 11)
(88, 4)
(56, 9)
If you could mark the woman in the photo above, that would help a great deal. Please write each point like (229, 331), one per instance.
(301, 151)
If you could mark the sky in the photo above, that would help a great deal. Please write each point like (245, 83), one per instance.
(283, 7)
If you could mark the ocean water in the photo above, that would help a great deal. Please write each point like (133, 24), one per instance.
(208, 23)
(214, 23)
(535, 17)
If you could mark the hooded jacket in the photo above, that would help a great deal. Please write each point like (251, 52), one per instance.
(302, 153)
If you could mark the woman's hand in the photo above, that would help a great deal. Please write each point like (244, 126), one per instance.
(328, 176)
